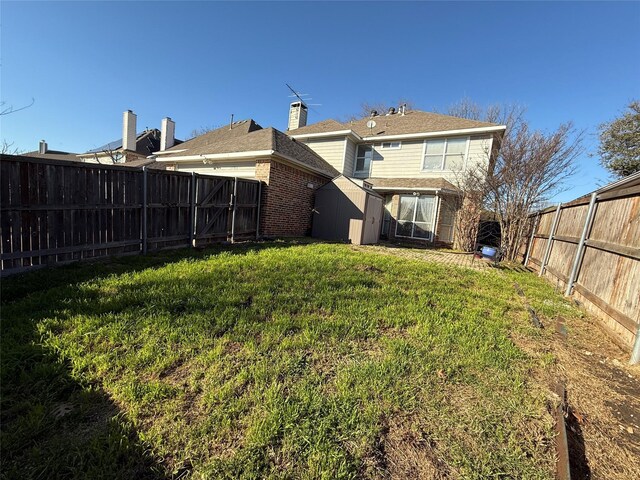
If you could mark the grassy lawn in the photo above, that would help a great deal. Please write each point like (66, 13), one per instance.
(273, 361)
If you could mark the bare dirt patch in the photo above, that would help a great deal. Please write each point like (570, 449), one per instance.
(603, 399)
(404, 451)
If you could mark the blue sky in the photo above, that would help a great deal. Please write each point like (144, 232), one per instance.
(84, 63)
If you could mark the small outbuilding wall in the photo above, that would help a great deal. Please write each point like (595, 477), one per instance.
(347, 211)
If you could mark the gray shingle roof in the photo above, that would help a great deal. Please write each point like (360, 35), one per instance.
(248, 136)
(414, 121)
(408, 183)
(53, 155)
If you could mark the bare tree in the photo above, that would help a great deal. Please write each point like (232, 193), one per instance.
(6, 109)
(465, 207)
(7, 148)
(527, 167)
(531, 167)
(115, 156)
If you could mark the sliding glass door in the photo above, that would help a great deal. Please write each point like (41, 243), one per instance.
(416, 216)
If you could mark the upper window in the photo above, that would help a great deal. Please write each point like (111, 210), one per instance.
(363, 161)
(445, 154)
(391, 145)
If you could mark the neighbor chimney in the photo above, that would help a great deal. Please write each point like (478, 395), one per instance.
(168, 134)
(297, 115)
(129, 131)
(43, 147)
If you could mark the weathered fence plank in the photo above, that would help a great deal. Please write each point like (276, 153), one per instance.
(596, 255)
(53, 212)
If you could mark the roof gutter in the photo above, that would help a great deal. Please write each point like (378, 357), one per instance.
(218, 156)
(169, 152)
(244, 155)
(416, 189)
(444, 133)
(336, 133)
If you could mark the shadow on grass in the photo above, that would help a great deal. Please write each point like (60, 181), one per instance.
(13, 288)
(52, 425)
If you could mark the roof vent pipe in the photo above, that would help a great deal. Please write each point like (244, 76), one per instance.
(374, 113)
(403, 109)
(391, 111)
(43, 147)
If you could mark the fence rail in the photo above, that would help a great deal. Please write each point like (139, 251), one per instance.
(54, 212)
(591, 248)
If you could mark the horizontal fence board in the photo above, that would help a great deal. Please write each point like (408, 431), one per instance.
(620, 317)
(631, 252)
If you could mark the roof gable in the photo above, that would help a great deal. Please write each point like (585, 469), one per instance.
(248, 136)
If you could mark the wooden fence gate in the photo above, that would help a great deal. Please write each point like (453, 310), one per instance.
(54, 212)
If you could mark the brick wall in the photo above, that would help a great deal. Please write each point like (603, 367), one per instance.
(287, 202)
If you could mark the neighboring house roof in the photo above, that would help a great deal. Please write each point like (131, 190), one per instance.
(147, 142)
(409, 183)
(248, 136)
(212, 141)
(52, 155)
(412, 122)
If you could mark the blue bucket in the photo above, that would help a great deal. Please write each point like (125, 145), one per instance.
(489, 252)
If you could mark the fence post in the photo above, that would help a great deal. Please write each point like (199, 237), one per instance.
(580, 250)
(192, 211)
(533, 234)
(635, 355)
(144, 210)
(234, 204)
(258, 211)
(552, 233)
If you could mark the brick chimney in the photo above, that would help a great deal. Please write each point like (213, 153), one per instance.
(168, 134)
(129, 131)
(297, 115)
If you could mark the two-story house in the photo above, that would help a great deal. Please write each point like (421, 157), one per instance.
(414, 159)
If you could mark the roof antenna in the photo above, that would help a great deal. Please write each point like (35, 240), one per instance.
(303, 97)
(231, 122)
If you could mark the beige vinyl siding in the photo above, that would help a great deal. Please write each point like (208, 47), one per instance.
(331, 149)
(242, 169)
(350, 158)
(407, 161)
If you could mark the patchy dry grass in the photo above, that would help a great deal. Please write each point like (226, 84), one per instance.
(274, 361)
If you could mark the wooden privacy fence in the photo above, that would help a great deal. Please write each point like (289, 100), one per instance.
(54, 212)
(591, 247)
